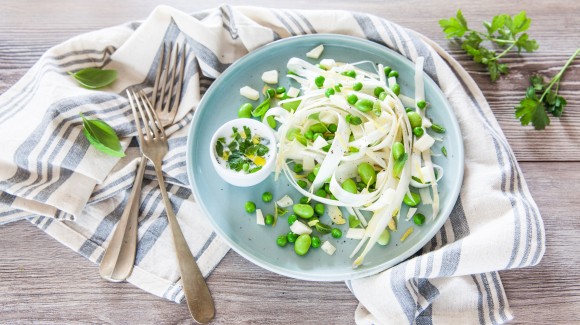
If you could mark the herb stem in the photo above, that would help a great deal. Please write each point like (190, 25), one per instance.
(560, 74)
(505, 51)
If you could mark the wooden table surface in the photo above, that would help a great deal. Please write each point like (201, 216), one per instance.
(43, 282)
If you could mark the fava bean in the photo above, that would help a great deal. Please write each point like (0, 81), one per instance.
(412, 200)
(302, 244)
(397, 150)
(349, 185)
(303, 210)
(245, 111)
(415, 119)
(367, 173)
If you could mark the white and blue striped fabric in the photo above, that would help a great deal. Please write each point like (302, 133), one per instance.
(50, 175)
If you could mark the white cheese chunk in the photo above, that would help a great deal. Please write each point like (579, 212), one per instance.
(300, 229)
(260, 217)
(293, 92)
(285, 202)
(328, 63)
(423, 143)
(328, 248)
(355, 233)
(270, 77)
(315, 52)
(249, 93)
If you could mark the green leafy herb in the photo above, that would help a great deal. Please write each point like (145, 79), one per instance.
(353, 222)
(504, 31)
(540, 99)
(244, 153)
(102, 136)
(444, 151)
(94, 78)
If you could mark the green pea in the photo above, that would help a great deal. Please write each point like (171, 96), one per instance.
(351, 99)
(397, 150)
(326, 148)
(349, 185)
(315, 241)
(320, 192)
(387, 70)
(437, 128)
(421, 104)
(269, 219)
(302, 183)
(367, 173)
(323, 228)
(409, 109)
(378, 91)
(354, 120)
(327, 187)
(332, 127)
(304, 200)
(302, 244)
(394, 73)
(245, 111)
(250, 207)
(309, 135)
(364, 105)
(336, 233)
(337, 88)
(396, 89)
(383, 95)
(282, 240)
(311, 177)
(318, 128)
(415, 119)
(329, 92)
(319, 209)
(271, 121)
(270, 92)
(298, 168)
(419, 219)
(351, 73)
(319, 81)
(292, 219)
(280, 90)
(412, 200)
(357, 86)
(267, 197)
(291, 237)
(303, 210)
(418, 131)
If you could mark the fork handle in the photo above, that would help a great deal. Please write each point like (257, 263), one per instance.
(117, 263)
(197, 295)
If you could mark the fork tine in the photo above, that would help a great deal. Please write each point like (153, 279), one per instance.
(137, 120)
(148, 132)
(153, 118)
(172, 79)
(180, 80)
(158, 75)
(165, 74)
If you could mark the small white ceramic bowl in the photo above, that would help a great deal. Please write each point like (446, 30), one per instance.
(240, 178)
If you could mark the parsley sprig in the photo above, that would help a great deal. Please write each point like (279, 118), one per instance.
(542, 98)
(505, 31)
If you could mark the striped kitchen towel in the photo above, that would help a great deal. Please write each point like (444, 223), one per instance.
(51, 176)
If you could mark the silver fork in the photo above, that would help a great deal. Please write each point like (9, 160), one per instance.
(119, 258)
(154, 146)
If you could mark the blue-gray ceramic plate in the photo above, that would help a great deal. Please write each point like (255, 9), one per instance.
(224, 203)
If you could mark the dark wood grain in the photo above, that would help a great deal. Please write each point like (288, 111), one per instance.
(43, 282)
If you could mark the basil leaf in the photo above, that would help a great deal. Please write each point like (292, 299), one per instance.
(94, 78)
(102, 136)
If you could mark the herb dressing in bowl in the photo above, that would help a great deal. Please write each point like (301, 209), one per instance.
(243, 152)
